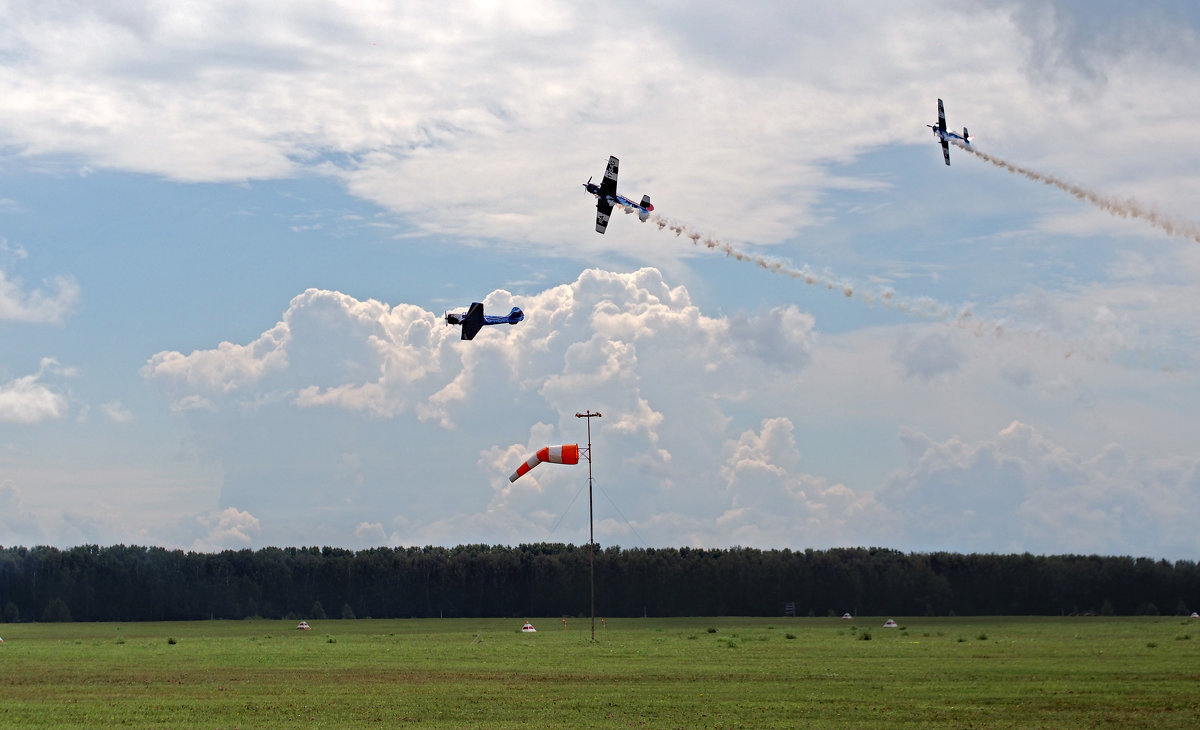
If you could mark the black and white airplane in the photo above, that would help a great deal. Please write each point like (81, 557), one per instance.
(607, 197)
(940, 132)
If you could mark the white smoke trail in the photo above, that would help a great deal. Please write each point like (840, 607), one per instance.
(923, 307)
(1127, 208)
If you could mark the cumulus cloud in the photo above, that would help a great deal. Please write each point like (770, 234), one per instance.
(229, 528)
(370, 534)
(191, 402)
(928, 355)
(226, 368)
(116, 412)
(332, 350)
(782, 336)
(1022, 491)
(365, 405)
(49, 305)
(28, 399)
(8, 250)
(773, 501)
(622, 344)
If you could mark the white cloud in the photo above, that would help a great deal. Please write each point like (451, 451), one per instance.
(927, 356)
(192, 402)
(370, 534)
(28, 400)
(772, 500)
(116, 412)
(1021, 491)
(367, 404)
(332, 350)
(50, 305)
(618, 343)
(226, 368)
(227, 529)
(437, 111)
(6, 250)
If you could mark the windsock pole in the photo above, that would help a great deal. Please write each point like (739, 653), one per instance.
(591, 534)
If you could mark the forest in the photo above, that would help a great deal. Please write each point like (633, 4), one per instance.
(131, 583)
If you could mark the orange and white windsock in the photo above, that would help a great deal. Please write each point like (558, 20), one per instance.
(565, 454)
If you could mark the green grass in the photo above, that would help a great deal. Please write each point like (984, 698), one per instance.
(753, 673)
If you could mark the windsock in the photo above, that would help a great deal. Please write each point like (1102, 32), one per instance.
(565, 454)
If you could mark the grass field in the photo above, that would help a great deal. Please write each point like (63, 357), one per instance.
(656, 673)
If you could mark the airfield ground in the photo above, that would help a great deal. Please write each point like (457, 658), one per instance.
(660, 673)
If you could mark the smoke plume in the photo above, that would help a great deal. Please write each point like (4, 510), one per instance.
(922, 307)
(1127, 208)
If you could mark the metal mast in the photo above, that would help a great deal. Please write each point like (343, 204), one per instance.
(591, 535)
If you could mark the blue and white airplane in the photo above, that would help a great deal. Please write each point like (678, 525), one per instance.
(474, 319)
(606, 198)
(940, 132)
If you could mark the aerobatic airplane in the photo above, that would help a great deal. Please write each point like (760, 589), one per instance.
(606, 198)
(945, 136)
(474, 319)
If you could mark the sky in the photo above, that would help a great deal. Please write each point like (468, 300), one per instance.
(229, 233)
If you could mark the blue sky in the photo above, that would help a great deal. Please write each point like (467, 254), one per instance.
(228, 234)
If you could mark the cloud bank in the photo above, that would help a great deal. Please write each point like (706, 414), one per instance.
(682, 456)
(440, 113)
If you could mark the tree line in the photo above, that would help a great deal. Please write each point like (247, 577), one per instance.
(132, 583)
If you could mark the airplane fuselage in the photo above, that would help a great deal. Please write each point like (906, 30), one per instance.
(948, 135)
(474, 319)
(516, 315)
(615, 199)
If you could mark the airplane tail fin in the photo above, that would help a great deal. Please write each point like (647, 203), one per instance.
(516, 315)
(647, 207)
(966, 136)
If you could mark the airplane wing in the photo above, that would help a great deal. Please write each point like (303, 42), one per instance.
(946, 150)
(941, 118)
(473, 322)
(603, 211)
(608, 186)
